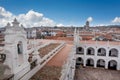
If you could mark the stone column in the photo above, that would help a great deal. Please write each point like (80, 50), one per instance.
(107, 52)
(107, 56)
(118, 62)
(95, 63)
(96, 51)
(84, 63)
(118, 66)
(95, 57)
(106, 64)
(84, 60)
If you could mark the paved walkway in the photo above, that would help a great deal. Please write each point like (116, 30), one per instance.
(52, 70)
(60, 58)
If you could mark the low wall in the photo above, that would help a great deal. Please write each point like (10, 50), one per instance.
(38, 47)
(68, 69)
(43, 61)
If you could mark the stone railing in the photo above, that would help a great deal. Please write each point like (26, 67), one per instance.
(45, 50)
(52, 53)
(43, 61)
(37, 47)
(106, 43)
(68, 69)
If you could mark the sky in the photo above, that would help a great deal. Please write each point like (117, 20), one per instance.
(60, 12)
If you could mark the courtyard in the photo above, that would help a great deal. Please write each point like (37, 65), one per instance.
(89, 73)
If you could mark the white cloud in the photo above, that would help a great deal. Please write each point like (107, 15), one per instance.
(90, 19)
(33, 18)
(116, 20)
(60, 25)
(30, 19)
(101, 25)
(5, 17)
(4, 13)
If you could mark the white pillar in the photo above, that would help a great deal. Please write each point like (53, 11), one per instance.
(84, 56)
(84, 62)
(95, 63)
(85, 51)
(118, 67)
(95, 57)
(107, 56)
(106, 64)
(118, 63)
(107, 53)
(96, 52)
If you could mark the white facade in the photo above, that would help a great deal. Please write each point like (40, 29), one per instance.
(108, 53)
(48, 33)
(31, 33)
(97, 55)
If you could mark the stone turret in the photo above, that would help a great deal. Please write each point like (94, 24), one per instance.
(16, 49)
(15, 23)
(8, 24)
(87, 25)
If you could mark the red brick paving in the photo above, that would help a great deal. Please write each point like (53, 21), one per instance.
(60, 58)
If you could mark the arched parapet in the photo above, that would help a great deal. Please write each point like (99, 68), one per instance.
(20, 44)
(101, 51)
(79, 61)
(101, 63)
(20, 52)
(90, 51)
(80, 50)
(90, 62)
(112, 64)
(113, 52)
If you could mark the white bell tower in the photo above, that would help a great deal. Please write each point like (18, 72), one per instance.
(16, 49)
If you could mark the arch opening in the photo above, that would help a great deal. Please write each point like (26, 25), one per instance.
(79, 62)
(89, 62)
(20, 52)
(90, 51)
(80, 50)
(112, 65)
(100, 63)
(113, 53)
(101, 52)
(20, 47)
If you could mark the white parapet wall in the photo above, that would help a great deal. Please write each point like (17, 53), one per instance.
(68, 69)
(107, 46)
(38, 47)
(43, 61)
